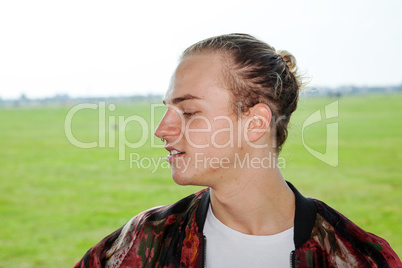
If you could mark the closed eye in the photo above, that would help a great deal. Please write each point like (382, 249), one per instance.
(188, 114)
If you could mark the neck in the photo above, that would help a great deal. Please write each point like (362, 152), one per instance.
(259, 202)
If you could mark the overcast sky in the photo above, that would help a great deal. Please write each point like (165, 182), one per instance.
(105, 48)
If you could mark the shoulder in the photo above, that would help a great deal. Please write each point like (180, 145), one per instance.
(160, 218)
(346, 242)
(148, 224)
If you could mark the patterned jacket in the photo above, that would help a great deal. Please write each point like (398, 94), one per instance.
(171, 236)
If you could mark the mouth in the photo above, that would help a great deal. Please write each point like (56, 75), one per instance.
(173, 153)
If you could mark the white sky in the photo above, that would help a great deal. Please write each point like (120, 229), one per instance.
(104, 48)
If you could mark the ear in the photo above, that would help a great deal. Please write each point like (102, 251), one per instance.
(260, 116)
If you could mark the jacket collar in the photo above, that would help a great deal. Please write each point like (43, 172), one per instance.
(305, 214)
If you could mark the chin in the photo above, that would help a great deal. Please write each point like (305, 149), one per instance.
(182, 181)
(181, 178)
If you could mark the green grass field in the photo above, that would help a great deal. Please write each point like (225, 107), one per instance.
(58, 200)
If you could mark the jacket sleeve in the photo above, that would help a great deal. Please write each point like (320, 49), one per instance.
(117, 243)
(97, 255)
(373, 249)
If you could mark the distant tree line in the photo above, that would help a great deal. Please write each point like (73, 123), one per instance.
(66, 100)
(351, 90)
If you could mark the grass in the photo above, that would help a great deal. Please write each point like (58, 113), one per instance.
(58, 200)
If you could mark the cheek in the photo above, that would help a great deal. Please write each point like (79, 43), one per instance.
(222, 137)
(218, 134)
(225, 134)
(198, 132)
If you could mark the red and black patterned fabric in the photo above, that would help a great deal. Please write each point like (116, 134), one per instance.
(171, 236)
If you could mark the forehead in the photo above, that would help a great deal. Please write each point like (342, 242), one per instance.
(199, 75)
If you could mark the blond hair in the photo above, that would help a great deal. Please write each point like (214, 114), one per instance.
(256, 73)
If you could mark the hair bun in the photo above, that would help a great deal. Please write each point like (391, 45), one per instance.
(290, 61)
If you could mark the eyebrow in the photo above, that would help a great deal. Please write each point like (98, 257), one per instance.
(183, 98)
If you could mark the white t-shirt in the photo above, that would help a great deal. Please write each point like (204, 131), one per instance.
(226, 247)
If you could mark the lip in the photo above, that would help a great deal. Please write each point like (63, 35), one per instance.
(170, 158)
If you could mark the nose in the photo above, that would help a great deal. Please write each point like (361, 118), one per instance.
(170, 125)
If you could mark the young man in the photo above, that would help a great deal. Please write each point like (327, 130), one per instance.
(228, 106)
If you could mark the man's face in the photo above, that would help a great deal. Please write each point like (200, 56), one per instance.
(201, 131)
